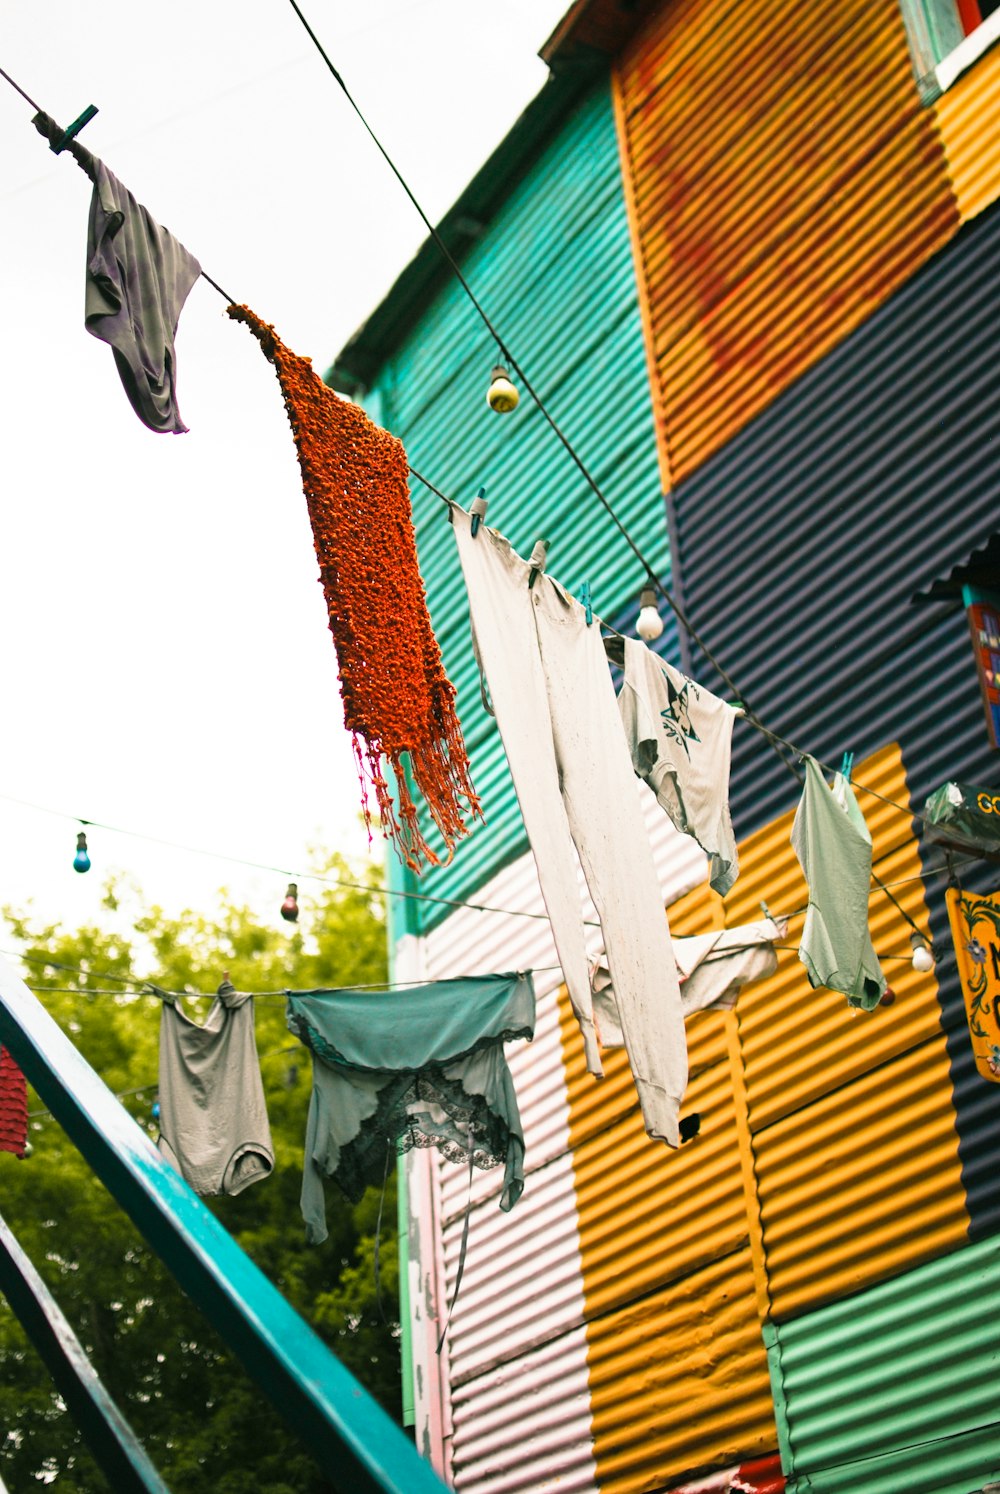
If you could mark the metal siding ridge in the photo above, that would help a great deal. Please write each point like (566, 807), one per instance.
(917, 1357)
(968, 116)
(568, 209)
(880, 1193)
(647, 1214)
(524, 1428)
(770, 228)
(800, 1043)
(678, 1381)
(534, 1251)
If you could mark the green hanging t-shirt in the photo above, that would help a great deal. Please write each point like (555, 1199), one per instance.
(834, 848)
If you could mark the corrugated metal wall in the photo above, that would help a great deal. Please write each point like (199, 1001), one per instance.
(875, 473)
(678, 1372)
(513, 1394)
(554, 267)
(851, 1118)
(910, 1365)
(786, 180)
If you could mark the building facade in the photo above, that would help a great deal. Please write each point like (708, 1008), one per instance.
(747, 256)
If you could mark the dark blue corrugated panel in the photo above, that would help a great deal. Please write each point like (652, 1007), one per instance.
(804, 539)
(554, 267)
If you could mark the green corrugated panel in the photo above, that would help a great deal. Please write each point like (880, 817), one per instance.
(554, 269)
(896, 1388)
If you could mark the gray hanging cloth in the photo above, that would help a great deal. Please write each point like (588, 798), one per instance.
(214, 1129)
(834, 847)
(417, 1066)
(138, 278)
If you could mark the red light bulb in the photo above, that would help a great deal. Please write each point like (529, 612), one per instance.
(290, 907)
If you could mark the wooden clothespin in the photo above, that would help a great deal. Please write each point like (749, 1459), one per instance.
(536, 560)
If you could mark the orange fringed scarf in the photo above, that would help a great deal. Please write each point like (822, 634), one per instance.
(397, 697)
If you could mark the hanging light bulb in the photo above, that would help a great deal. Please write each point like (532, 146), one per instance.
(650, 623)
(501, 395)
(922, 958)
(81, 861)
(290, 907)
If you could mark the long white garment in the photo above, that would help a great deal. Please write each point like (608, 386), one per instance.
(713, 968)
(680, 736)
(555, 707)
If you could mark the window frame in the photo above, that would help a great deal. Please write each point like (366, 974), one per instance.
(940, 50)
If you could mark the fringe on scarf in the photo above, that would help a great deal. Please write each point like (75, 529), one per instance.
(399, 704)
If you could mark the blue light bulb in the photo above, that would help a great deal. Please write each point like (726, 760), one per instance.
(81, 861)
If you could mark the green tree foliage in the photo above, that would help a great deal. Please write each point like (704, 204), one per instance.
(204, 1423)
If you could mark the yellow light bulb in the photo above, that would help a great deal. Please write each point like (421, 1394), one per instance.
(501, 395)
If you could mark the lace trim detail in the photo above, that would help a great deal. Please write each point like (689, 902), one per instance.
(464, 1125)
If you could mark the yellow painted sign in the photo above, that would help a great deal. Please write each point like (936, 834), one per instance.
(975, 928)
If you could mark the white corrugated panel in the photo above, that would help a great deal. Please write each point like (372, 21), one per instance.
(516, 1334)
(513, 1426)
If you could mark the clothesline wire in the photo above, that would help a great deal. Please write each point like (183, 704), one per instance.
(140, 1089)
(27, 97)
(509, 357)
(777, 742)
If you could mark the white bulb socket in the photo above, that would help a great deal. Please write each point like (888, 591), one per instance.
(922, 958)
(650, 624)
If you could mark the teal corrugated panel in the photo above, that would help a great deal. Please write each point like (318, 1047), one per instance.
(896, 1388)
(554, 268)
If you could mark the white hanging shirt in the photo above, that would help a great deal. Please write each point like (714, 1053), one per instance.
(712, 969)
(680, 736)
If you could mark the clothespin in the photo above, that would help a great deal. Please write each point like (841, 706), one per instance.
(536, 561)
(737, 707)
(583, 596)
(74, 129)
(477, 511)
(846, 765)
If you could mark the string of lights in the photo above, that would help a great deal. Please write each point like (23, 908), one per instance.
(776, 741)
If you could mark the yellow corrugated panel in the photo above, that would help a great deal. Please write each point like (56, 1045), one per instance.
(852, 1123)
(785, 180)
(648, 1214)
(668, 1294)
(969, 120)
(799, 1043)
(678, 1380)
(862, 1184)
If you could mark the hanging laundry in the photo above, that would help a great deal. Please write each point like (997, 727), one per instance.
(419, 1066)
(214, 1129)
(555, 707)
(399, 704)
(138, 278)
(834, 847)
(13, 1106)
(680, 737)
(712, 969)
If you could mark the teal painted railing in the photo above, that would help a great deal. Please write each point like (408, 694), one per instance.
(356, 1443)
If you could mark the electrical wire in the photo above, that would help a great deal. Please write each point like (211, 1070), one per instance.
(779, 744)
(533, 394)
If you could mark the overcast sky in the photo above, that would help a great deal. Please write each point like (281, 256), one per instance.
(166, 660)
